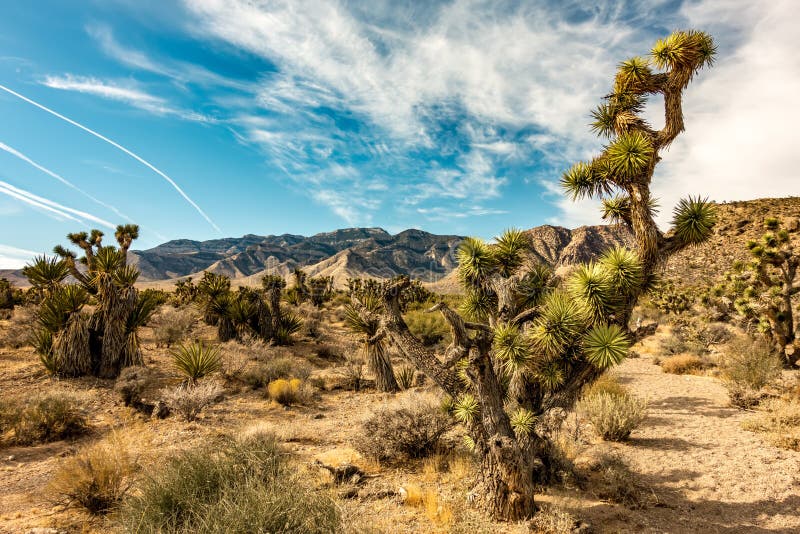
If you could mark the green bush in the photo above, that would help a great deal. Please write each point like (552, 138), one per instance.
(430, 328)
(43, 418)
(237, 486)
(747, 366)
(613, 416)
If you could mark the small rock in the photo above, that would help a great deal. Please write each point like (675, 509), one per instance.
(10, 458)
(318, 416)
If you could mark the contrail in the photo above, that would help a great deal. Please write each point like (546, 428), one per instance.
(120, 147)
(61, 179)
(48, 205)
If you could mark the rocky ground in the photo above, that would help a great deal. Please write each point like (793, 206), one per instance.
(695, 468)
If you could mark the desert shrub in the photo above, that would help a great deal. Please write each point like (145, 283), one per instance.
(17, 332)
(353, 373)
(613, 415)
(552, 520)
(412, 429)
(682, 364)
(715, 334)
(173, 325)
(405, 376)
(779, 419)
(97, 477)
(617, 483)
(289, 391)
(430, 328)
(196, 360)
(605, 383)
(236, 486)
(750, 363)
(747, 366)
(280, 367)
(679, 344)
(132, 383)
(158, 296)
(189, 399)
(43, 418)
(327, 352)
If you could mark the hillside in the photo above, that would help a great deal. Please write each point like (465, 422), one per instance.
(737, 223)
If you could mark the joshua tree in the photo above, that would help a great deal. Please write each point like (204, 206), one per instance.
(71, 342)
(770, 286)
(299, 292)
(320, 290)
(273, 285)
(211, 287)
(126, 234)
(622, 173)
(522, 347)
(185, 291)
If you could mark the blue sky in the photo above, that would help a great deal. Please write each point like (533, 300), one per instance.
(211, 118)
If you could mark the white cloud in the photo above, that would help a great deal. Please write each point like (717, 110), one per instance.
(15, 258)
(741, 115)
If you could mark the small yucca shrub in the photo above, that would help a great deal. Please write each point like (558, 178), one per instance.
(196, 360)
(613, 416)
(405, 376)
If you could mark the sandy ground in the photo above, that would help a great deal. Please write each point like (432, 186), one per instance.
(707, 474)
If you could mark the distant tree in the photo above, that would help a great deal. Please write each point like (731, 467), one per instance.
(320, 290)
(765, 290)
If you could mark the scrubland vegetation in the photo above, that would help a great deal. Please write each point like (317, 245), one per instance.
(292, 405)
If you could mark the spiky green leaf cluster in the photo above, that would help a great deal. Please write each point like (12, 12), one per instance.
(605, 345)
(522, 421)
(684, 50)
(630, 154)
(511, 347)
(590, 284)
(196, 360)
(693, 220)
(466, 408)
(560, 324)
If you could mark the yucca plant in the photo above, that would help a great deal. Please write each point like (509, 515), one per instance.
(196, 360)
(210, 288)
(362, 319)
(522, 346)
(320, 290)
(288, 325)
(621, 175)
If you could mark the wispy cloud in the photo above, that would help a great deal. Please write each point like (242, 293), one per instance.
(61, 179)
(15, 258)
(54, 209)
(129, 94)
(119, 147)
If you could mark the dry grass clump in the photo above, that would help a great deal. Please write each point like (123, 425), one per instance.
(605, 383)
(233, 486)
(97, 477)
(42, 418)
(437, 510)
(289, 391)
(779, 419)
(612, 410)
(132, 383)
(748, 366)
(173, 325)
(17, 332)
(413, 428)
(553, 520)
(682, 364)
(614, 481)
(189, 399)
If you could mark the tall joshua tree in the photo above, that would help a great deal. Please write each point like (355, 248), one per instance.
(523, 344)
(621, 175)
(362, 317)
